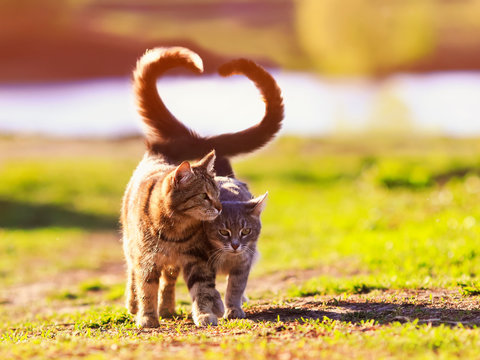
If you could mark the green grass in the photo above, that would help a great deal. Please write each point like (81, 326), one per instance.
(107, 332)
(387, 229)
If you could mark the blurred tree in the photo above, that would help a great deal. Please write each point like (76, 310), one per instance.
(364, 36)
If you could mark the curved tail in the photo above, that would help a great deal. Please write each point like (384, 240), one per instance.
(168, 136)
(160, 124)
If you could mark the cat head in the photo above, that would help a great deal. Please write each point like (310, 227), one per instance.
(193, 190)
(237, 229)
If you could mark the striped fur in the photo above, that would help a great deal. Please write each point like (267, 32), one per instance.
(234, 234)
(162, 213)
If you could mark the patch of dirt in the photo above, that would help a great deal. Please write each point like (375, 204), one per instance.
(428, 306)
(35, 293)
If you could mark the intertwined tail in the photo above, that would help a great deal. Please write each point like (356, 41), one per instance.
(168, 136)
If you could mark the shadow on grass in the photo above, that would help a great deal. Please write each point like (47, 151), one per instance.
(296, 314)
(381, 312)
(24, 215)
(387, 312)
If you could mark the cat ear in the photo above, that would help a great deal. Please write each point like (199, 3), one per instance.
(182, 172)
(207, 162)
(258, 204)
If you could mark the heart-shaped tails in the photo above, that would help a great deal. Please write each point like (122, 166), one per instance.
(169, 137)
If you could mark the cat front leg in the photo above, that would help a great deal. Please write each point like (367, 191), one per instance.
(207, 303)
(146, 283)
(236, 284)
(166, 300)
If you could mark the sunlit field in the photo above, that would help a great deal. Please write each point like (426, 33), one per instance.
(369, 249)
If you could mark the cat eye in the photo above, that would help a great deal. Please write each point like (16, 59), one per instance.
(245, 231)
(204, 196)
(224, 232)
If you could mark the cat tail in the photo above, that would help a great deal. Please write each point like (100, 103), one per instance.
(258, 135)
(168, 136)
(159, 123)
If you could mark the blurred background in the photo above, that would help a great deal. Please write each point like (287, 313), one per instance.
(367, 66)
(376, 174)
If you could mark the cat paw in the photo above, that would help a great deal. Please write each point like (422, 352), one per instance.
(205, 320)
(147, 321)
(234, 313)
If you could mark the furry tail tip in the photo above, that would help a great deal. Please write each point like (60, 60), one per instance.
(176, 54)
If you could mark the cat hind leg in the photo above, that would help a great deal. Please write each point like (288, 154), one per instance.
(130, 292)
(166, 296)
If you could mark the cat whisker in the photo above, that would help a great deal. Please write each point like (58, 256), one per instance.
(249, 250)
(214, 255)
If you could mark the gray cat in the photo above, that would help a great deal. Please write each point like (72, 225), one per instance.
(234, 236)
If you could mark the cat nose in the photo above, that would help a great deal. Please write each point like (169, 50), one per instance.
(235, 245)
(218, 207)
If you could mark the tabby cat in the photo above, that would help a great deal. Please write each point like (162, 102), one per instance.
(163, 209)
(169, 138)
